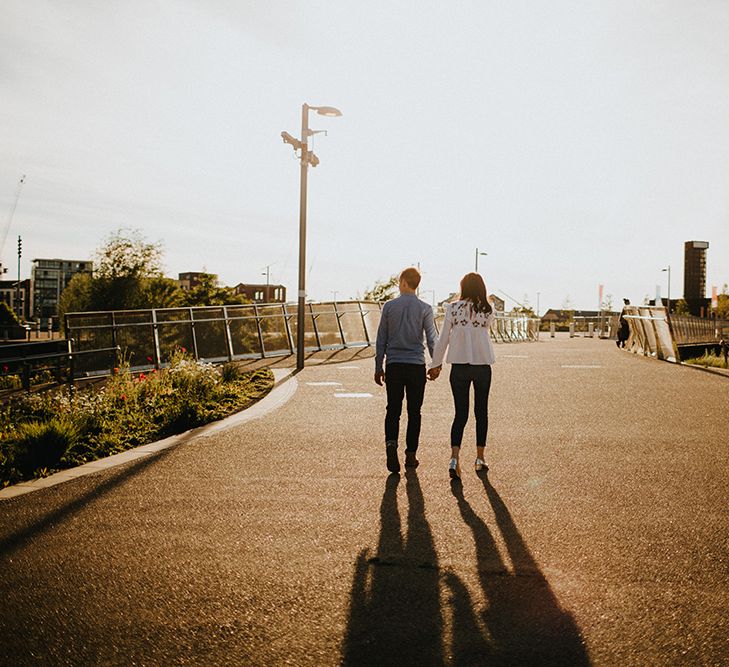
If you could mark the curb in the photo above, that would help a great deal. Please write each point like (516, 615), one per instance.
(705, 369)
(284, 387)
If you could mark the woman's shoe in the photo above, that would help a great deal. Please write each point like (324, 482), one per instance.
(481, 466)
(454, 469)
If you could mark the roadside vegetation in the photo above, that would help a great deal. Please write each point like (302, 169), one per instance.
(43, 433)
(708, 359)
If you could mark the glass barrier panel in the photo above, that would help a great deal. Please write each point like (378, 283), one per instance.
(310, 341)
(273, 329)
(327, 325)
(173, 336)
(137, 345)
(244, 333)
(350, 319)
(371, 312)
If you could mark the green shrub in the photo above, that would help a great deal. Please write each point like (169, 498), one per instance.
(36, 444)
(54, 430)
(230, 372)
(708, 359)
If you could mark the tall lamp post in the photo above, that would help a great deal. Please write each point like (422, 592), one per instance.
(477, 254)
(307, 158)
(668, 268)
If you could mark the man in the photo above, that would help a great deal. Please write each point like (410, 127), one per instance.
(400, 340)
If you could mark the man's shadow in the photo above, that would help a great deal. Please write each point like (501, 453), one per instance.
(524, 622)
(395, 616)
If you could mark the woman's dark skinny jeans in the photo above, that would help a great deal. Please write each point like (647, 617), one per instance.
(462, 375)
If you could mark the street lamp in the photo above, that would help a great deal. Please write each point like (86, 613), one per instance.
(668, 268)
(477, 254)
(307, 158)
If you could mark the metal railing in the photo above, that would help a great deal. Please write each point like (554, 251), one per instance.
(148, 338)
(54, 368)
(689, 330)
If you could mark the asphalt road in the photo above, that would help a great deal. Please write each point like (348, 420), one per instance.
(599, 536)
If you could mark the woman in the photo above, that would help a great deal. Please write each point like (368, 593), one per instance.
(465, 333)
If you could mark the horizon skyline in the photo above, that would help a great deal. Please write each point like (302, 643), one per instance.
(577, 146)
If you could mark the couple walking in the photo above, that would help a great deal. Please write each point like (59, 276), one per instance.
(465, 334)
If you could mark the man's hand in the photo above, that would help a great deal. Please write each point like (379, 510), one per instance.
(379, 377)
(434, 372)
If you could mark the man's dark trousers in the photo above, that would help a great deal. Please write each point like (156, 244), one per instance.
(400, 380)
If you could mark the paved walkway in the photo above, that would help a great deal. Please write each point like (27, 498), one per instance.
(600, 536)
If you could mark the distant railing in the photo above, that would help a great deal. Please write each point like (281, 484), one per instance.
(216, 334)
(688, 330)
(654, 334)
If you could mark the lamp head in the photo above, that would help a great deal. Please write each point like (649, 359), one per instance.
(327, 111)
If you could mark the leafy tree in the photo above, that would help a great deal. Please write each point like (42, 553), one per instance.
(383, 290)
(722, 311)
(77, 295)
(160, 292)
(209, 293)
(681, 307)
(125, 254)
(7, 317)
(128, 276)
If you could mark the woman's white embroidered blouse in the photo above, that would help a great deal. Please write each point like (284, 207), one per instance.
(465, 333)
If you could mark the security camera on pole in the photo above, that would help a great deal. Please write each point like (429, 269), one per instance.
(307, 158)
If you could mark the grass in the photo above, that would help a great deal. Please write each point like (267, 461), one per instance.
(40, 434)
(708, 359)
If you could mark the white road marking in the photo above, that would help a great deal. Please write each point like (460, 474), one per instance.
(324, 384)
(580, 366)
(353, 395)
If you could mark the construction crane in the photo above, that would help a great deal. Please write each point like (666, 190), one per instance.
(9, 222)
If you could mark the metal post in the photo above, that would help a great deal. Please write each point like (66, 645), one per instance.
(192, 333)
(17, 290)
(339, 323)
(302, 236)
(260, 333)
(228, 337)
(155, 338)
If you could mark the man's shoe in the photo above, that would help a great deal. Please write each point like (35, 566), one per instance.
(410, 460)
(454, 469)
(393, 465)
(481, 466)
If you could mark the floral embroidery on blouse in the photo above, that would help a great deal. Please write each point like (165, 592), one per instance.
(462, 314)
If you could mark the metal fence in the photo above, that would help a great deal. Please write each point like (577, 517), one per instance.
(216, 334)
(688, 330)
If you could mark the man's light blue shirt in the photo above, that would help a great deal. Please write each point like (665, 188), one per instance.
(400, 334)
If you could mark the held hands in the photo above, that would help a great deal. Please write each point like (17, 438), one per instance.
(379, 377)
(434, 372)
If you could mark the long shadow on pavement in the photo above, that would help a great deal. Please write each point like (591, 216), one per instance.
(395, 616)
(13, 541)
(524, 624)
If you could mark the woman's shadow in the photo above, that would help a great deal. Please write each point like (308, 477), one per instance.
(523, 623)
(395, 616)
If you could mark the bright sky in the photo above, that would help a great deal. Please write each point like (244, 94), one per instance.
(577, 142)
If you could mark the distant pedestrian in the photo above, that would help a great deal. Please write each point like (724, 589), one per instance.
(466, 336)
(403, 323)
(623, 327)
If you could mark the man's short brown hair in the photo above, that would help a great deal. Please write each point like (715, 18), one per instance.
(411, 276)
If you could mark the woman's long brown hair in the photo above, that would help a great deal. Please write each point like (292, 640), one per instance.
(473, 289)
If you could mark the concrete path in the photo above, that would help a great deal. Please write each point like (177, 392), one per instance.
(599, 537)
